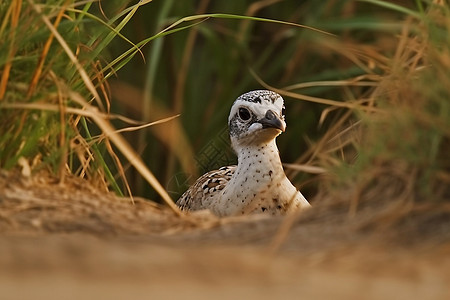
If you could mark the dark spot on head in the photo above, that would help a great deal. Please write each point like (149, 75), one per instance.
(263, 208)
(258, 96)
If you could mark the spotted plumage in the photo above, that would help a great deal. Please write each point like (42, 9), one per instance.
(258, 183)
(202, 192)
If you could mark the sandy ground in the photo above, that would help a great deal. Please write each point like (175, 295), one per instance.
(71, 241)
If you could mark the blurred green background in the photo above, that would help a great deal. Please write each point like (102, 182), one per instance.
(365, 56)
(199, 72)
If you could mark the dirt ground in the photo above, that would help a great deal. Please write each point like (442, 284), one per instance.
(71, 241)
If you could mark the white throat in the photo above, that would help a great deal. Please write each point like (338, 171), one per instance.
(259, 170)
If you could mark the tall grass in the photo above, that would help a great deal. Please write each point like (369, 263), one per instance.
(336, 87)
(367, 100)
(55, 107)
(46, 59)
(406, 145)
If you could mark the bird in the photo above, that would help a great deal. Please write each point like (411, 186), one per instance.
(257, 184)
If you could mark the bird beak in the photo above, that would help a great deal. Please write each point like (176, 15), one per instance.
(271, 120)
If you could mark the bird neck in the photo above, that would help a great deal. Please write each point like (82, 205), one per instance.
(261, 157)
(259, 170)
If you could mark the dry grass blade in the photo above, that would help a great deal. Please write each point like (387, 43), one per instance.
(147, 125)
(305, 168)
(134, 159)
(40, 65)
(16, 6)
(172, 137)
(355, 82)
(358, 105)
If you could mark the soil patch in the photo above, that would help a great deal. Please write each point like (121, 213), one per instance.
(72, 241)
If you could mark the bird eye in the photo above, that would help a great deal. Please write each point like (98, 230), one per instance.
(283, 109)
(244, 114)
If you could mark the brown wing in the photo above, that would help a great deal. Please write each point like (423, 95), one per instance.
(205, 189)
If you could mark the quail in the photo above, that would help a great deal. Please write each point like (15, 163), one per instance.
(258, 183)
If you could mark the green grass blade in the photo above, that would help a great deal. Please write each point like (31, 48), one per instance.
(100, 160)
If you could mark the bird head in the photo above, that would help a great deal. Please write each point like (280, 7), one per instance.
(255, 118)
